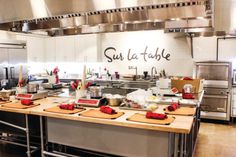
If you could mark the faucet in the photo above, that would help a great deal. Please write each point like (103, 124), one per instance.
(155, 71)
(136, 70)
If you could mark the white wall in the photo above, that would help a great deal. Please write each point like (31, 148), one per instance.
(180, 62)
(176, 45)
(227, 51)
(205, 49)
(4, 35)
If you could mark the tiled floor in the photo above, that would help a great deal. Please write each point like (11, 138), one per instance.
(214, 140)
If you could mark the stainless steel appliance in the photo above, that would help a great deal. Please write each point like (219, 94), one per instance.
(91, 102)
(32, 88)
(32, 96)
(52, 85)
(95, 91)
(13, 55)
(81, 17)
(234, 77)
(217, 87)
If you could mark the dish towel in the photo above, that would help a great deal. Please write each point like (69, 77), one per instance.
(108, 110)
(173, 106)
(67, 106)
(160, 116)
(26, 102)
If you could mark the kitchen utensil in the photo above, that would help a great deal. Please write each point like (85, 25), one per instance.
(20, 76)
(32, 88)
(83, 78)
(51, 79)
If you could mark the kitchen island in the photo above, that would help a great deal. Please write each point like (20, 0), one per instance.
(117, 136)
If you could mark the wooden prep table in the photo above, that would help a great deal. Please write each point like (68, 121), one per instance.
(118, 136)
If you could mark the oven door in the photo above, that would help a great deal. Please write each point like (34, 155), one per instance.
(214, 103)
(216, 107)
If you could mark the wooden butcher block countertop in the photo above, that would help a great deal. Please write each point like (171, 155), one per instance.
(181, 124)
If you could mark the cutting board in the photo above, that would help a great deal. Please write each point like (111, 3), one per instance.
(98, 114)
(138, 117)
(183, 111)
(56, 109)
(3, 102)
(18, 105)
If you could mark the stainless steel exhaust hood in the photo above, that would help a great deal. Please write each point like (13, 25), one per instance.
(69, 17)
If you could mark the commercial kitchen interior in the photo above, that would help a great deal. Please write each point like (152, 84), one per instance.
(101, 78)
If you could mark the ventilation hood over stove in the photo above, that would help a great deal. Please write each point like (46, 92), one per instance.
(69, 17)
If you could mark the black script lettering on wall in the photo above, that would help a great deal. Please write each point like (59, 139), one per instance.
(111, 55)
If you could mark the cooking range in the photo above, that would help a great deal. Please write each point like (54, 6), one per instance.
(217, 88)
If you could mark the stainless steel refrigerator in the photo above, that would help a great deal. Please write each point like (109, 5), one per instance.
(13, 54)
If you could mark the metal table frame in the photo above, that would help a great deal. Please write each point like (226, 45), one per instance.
(7, 138)
(176, 149)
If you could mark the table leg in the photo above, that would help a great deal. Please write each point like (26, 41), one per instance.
(27, 135)
(41, 136)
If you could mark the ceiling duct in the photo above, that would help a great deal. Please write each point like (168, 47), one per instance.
(69, 17)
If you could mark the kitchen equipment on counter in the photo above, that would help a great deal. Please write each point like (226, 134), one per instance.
(51, 85)
(129, 77)
(95, 92)
(32, 88)
(32, 96)
(197, 84)
(234, 77)
(164, 83)
(13, 61)
(217, 89)
(5, 94)
(188, 88)
(91, 102)
(113, 100)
